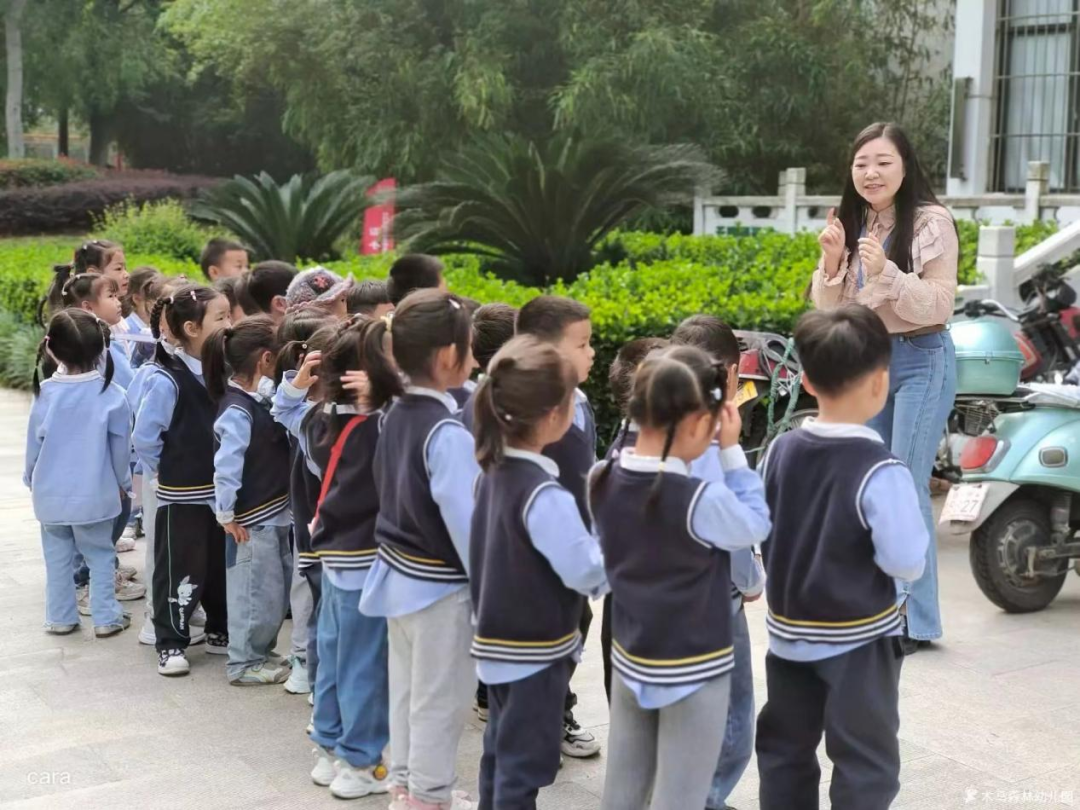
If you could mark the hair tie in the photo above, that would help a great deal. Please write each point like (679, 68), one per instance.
(663, 463)
(388, 319)
(717, 394)
(303, 347)
(455, 303)
(508, 417)
(46, 341)
(171, 299)
(194, 297)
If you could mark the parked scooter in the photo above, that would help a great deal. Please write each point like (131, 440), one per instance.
(1019, 495)
(770, 395)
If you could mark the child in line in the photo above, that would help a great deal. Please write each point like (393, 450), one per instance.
(565, 324)
(143, 291)
(424, 473)
(174, 439)
(846, 522)
(411, 272)
(370, 298)
(266, 287)
(340, 434)
(670, 696)
(621, 382)
(716, 339)
(98, 256)
(228, 286)
(532, 558)
(100, 296)
(80, 430)
(223, 258)
(251, 488)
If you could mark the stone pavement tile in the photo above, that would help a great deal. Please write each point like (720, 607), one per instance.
(1056, 789)
(61, 771)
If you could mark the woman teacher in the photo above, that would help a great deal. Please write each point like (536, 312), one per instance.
(893, 247)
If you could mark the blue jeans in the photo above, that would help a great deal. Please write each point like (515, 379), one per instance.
(94, 542)
(922, 389)
(78, 563)
(257, 589)
(739, 731)
(352, 692)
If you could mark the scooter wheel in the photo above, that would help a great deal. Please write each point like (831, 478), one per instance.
(998, 554)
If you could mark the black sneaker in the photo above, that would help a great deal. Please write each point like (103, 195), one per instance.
(217, 643)
(172, 663)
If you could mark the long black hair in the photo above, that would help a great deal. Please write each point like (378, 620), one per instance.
(914, 191)
(75, 338)
(235, 350)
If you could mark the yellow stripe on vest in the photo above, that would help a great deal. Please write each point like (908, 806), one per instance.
(502, 643)
(672, 662)
(855, 623)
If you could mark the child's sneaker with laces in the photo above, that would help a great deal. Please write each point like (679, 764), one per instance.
(60, 629)
(128, 572)
(298, 683)
(128, 591)
(126, 541)
(198, 618)
(576, 741)
(260, 675)
(326, 767)
(82, 599)
(217, 643)
(354, 783)
(172, 663)
(106, 630)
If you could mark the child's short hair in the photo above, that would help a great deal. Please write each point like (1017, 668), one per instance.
(547, 317)
(414, 271)
(711, 335)
(227, 287)
(366, 296)
(269, 280)
(626, 362)
(838, 347)
(492, 327)
(141, 281)
(215, 251)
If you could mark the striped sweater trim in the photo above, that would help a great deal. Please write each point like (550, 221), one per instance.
(254, 517)
(196, 494)
(306, 559)
(672, 672)
(834, 632)
(420, 567)
(356, 560)
(525, 652)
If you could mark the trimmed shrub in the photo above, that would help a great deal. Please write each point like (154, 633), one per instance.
(36, 172)
(18, 351)
(160, 228)
(73, 206)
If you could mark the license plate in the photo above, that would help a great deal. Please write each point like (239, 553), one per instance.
(747, 391)
(964, 503)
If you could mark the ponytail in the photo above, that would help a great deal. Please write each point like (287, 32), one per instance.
(384, 380)
(214, 367)
(53, 301)
(597, 482)
(161, 357)
(490, 444)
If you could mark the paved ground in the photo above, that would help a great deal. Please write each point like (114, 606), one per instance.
(990, 718)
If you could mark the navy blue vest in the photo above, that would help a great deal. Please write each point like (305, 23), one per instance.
(823, 584)
(304, 488)
(264, 484)
(412, 536)
(575, 453)
(508, 573)
(671, 591)
(186, 467)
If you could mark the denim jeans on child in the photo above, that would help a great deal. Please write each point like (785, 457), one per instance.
(739, 731)
(257, 585)
(352, 693)
(94, 541)
(78, 563)
(922, 388)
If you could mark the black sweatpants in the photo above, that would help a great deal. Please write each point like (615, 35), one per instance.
(522, 738)
(605, 644)
(313, 575)
(583, 626)
(189, 569)
(854, 699)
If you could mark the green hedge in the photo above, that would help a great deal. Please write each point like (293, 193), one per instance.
(160, 228)
(40, 172)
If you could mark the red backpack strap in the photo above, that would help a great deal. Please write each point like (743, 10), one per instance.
(335, 457)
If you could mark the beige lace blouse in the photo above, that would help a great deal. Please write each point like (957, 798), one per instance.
(905, 301)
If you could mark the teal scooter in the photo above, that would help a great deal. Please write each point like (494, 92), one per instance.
(1019, 491)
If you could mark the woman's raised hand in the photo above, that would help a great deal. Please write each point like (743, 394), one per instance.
(832, 240)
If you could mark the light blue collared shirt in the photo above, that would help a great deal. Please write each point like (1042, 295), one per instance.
(290, 408)
(451, 460)
(890, 505)
(156, 413)
(123, 374)
(555, 528)
(731, 514)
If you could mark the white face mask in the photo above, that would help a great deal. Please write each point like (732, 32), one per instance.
(266, 387)
(169, 348)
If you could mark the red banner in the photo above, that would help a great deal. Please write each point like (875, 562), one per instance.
(377, 237)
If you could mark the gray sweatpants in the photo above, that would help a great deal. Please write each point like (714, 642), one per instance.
(670, 753)
(301, 602)
(432, 683)
(149, 505)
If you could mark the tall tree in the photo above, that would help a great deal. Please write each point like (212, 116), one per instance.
(14, 97)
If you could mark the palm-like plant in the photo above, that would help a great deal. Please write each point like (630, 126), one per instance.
(538, 211)
(301, 218)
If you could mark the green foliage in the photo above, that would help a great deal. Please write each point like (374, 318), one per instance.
(160, 228)
(18, 351)
(40, 172)
(304, 217)
(1027, 236)
(537, 211)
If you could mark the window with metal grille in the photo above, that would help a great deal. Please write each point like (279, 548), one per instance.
(1037, 92)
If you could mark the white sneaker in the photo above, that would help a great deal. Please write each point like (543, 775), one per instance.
(298, 683)
(311, 725)
(576, 741)
(198, 618)
(353, 783)
(126, 541)
(260, 675)
(147, 635)
(82, 599)
(311, 698)
(128, 572)
(128, 591)
(326, 767)
(106, 630)
(172, 663)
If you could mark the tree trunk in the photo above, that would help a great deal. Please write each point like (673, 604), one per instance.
(13, 105)
(62, 133)
(99, 139)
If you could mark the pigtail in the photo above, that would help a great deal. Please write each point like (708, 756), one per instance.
(487, 426)
(290, 358)
(54, 298)
(39, 359)
(110, 367)
(601, 477)
(214, 365)
(654, 490)
(161, 357)
(384, 381)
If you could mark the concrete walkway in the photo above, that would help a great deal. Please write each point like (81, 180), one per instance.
(991, 718)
